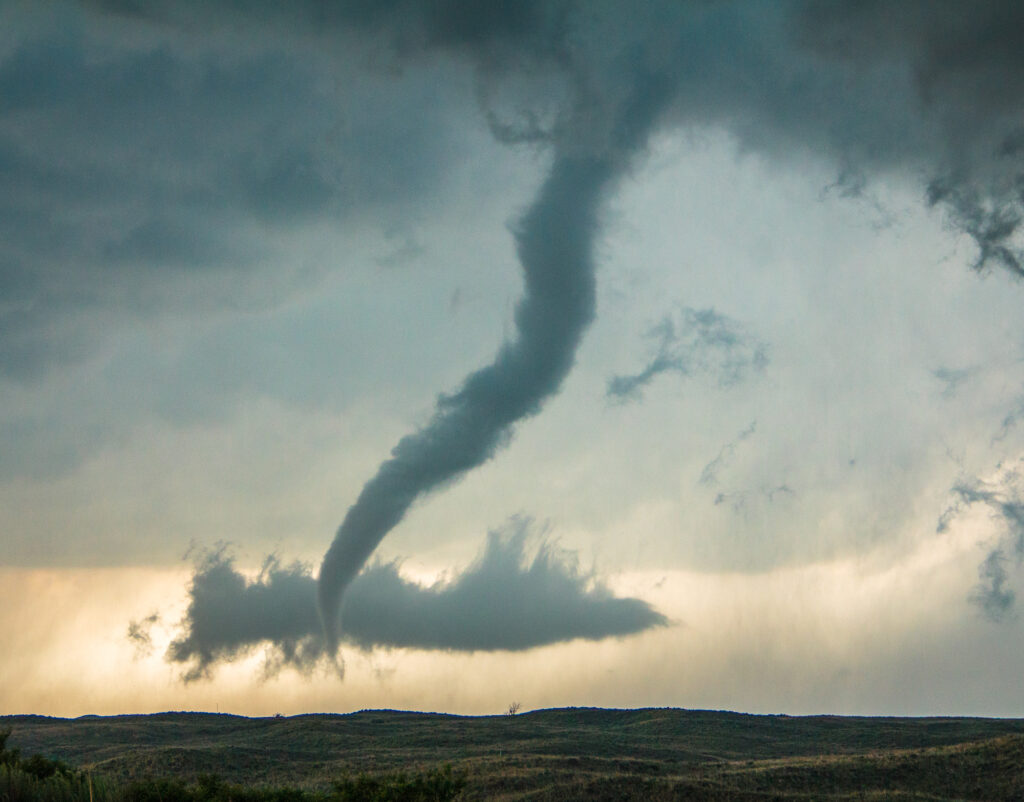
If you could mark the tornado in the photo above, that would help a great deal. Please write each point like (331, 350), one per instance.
(555, 245)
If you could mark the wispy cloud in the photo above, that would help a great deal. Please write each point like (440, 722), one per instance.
(1010, 421)
(1003, 495)
(139, 634)
(952, 379)
(992, 593)
(709, 475)
(692, 342)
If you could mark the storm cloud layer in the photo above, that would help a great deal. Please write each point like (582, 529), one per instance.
(505, 600)
(161, 160)
(163, 149)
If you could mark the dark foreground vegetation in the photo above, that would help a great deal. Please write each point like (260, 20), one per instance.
(547, 754)
(42, 778)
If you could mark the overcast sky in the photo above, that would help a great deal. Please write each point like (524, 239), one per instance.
(646, 357)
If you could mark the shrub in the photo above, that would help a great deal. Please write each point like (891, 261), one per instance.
(157, 790)
(8, 757)
(42, 767)
(436, 785)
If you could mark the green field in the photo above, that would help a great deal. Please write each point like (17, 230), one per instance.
(551, 754)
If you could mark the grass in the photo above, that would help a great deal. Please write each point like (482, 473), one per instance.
(550, 754)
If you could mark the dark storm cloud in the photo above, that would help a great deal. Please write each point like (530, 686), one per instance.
(965, 66)
(1003, 495)
(141, 139)
(129, 172)
(505, 600)
(694, 342)
(121, 160)
(407, 25)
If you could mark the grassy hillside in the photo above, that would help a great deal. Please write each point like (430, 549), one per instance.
(559, 754)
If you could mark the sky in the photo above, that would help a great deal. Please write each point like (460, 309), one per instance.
(436, 355)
